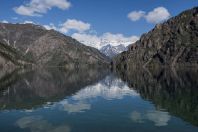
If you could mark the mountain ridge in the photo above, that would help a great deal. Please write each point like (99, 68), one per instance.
(172, 43)
(45, 47)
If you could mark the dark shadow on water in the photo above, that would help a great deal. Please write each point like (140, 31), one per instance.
(175, 90)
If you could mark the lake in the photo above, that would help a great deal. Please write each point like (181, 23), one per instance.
(90, 100)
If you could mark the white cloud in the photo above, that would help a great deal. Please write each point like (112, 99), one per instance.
(4, 21)
(73, 24)
(88, 39)
(24, 22)
(70, 24)
(107, 38)
(157, 15)
(136, 15)
(116, 39)
(39, 7)
(50, 26)
(28, 22)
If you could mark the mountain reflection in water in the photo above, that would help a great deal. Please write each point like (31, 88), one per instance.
(96, 100)
(175, 90)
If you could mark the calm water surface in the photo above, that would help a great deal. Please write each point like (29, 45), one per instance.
(57, 100)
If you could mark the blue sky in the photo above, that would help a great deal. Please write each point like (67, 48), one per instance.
(94, 19)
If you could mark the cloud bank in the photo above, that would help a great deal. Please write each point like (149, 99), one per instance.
(104, 39)
(83, 33)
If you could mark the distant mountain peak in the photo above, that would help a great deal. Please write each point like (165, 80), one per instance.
(112, 51)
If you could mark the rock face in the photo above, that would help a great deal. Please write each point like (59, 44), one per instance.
(112, 51)
(173, 43)
(22, 44)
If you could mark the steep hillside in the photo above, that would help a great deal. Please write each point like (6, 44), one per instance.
(173, 43)
(33, 44)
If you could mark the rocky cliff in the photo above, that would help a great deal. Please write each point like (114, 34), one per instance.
(172, 43)
(28, 44)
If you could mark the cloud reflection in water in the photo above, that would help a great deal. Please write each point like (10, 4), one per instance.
(159, 118)
(38, 124)
(110, 88)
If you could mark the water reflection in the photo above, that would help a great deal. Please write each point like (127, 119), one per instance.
(28, 89)
(38, 124)
(75, 107)
(97, 100)
(175, 90)
(159, 118)
(109, 88)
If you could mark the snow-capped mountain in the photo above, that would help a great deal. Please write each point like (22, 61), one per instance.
(112, 51)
